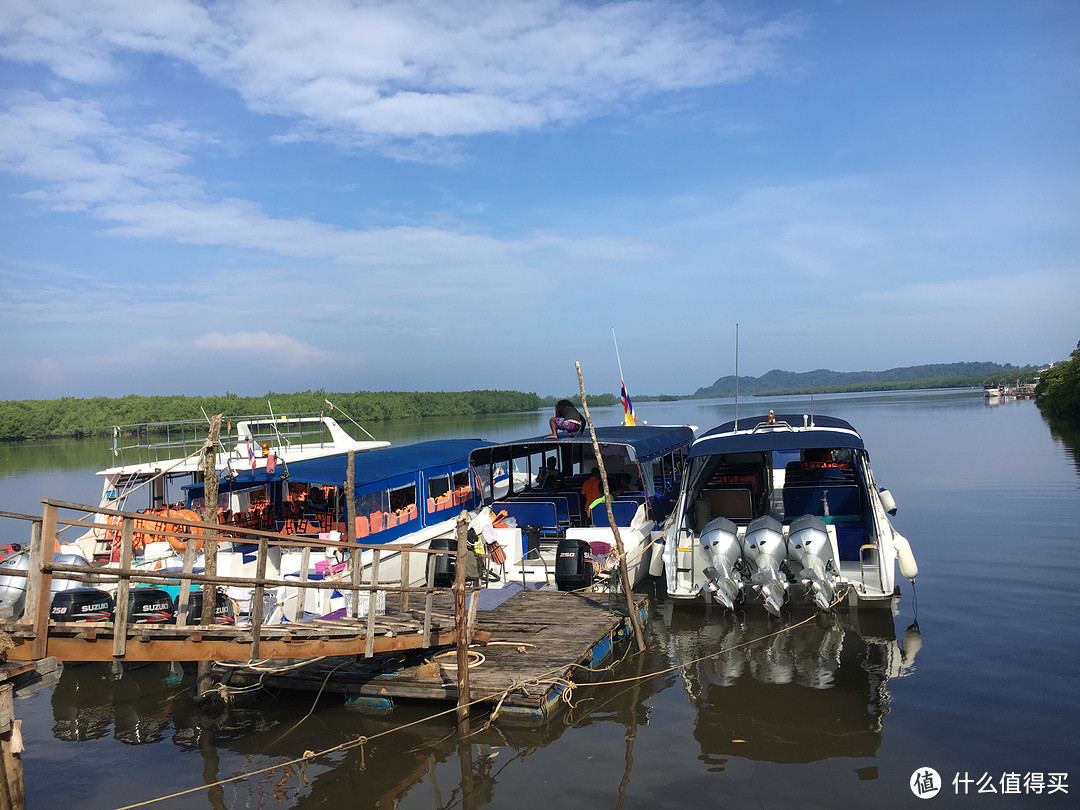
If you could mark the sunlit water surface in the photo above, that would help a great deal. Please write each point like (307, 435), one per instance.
(839, 712)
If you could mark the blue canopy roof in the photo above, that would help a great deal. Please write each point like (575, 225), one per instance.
(648, 442)
(756, 436)
(374, 465)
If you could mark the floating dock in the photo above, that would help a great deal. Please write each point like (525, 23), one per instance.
(541, 642)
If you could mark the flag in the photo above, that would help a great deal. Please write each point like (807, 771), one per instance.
(251, 454)
(271, 463)
(630, 417)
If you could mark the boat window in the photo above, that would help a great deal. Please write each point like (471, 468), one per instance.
(462, 487)
(402, 505)
(438, 489)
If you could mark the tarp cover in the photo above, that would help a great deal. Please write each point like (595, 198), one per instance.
(374, 465)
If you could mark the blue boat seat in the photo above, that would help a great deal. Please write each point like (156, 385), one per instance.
(622, 511)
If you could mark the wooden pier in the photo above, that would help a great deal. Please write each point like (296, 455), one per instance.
(540, 643)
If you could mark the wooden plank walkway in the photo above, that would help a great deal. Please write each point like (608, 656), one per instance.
(539, 640)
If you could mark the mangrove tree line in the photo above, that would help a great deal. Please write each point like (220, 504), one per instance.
(71, 416)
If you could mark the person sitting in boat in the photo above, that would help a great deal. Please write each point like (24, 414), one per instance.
(590, 489)
(567, 418)
(316, 499)
(549, 475)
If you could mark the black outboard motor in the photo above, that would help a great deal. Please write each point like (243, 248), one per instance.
(445, 564)
(150, 606)
(81, 605)
(223, 609)
(573, 565)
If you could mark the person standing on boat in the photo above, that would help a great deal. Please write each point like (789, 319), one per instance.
(567, 418)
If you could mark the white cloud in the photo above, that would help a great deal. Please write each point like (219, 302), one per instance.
(406, 69)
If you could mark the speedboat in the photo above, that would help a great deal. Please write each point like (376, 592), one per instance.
(779, 509)
(537, 514)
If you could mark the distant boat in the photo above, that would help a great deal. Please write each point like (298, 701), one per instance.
(783, 508)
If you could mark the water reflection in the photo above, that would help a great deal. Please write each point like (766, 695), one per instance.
(1066, 431)
(812, 693)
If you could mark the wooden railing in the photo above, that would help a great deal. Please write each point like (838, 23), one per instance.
(33, 626)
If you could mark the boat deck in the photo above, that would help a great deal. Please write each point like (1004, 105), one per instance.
(539, 641)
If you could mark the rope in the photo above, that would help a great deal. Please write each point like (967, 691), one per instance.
(552, 677)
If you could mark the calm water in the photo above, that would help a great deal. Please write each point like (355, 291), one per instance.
(837, 713)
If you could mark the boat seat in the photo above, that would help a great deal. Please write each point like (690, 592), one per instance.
(734, 504)
(622, 511)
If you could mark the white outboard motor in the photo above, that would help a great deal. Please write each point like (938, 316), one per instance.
(809, 547)
(720, 539)
(765, 551)
(13, 589)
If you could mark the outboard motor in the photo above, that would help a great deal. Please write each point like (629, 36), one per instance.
(720, 539)
(809, 547)
(81, 605)
(445, 564)
(151, 606)
(765, 551)
(573, 565)
(13, 589)
(223, 609)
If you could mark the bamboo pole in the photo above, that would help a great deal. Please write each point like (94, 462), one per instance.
(461, 626)
(355, 555)
(210, 495)
(611, 518)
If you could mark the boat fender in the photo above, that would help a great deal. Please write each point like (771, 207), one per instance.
(888, 502)
(656, 564)
(908, 567)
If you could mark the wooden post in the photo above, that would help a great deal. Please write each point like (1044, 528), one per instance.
(120, 620)
(301, 593)
(461, 626)
(210, 492)
(373, 595)
(425, 641)
(185, 586)
(37, 611)
(627, 585)
(257, 598)
(12, 787)
(406, 559)
(356, 562)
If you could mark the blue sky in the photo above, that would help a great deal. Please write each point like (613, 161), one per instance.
(252, 196)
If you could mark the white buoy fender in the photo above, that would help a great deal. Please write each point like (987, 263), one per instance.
(656, 564)
(908, 567)
(888, 502)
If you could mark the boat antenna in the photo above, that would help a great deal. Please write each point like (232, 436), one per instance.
(811, 409)
(736, 377)
(334, 407)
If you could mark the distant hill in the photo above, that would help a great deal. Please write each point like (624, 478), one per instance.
(935, 375)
